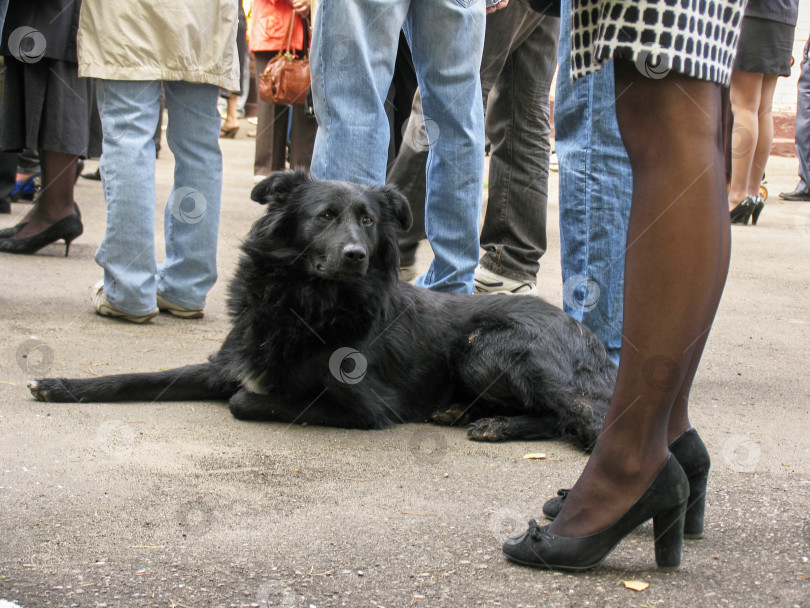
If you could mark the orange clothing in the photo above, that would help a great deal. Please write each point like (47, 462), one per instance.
(269, 24)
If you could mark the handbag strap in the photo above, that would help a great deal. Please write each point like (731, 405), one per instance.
(288, 37)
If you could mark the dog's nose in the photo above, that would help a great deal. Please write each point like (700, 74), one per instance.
(354, 253)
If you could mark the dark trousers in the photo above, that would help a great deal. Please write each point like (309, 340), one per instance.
(8, 172)
(803, 121)
(271, 133)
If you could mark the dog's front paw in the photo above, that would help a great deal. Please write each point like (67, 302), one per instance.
(49, 389)
(452, 416)
(489, 429)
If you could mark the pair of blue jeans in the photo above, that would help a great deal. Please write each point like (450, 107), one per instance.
(129, 114)
(354, 47)
(596, 185)
(517, 67)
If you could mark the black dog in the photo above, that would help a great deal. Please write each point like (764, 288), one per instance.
(325, 333)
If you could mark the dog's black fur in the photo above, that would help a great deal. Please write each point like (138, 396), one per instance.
(317, 284)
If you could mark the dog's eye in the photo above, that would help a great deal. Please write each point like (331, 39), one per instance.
(327, 216)
(367, 221)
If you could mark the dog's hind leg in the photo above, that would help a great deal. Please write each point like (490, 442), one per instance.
(189, 383)
(504, 428)
(512, 372)
(528, 405)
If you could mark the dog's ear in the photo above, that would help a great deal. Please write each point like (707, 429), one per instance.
(278, 185)
(398, 205)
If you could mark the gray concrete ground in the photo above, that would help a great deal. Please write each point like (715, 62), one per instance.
(178, 505)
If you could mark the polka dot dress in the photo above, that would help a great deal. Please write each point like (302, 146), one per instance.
(694, 37)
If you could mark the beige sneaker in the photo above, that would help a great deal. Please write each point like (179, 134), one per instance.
(105, 309)
(177, 310)
(488, 282)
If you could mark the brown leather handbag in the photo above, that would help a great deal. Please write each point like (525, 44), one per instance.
(285, 81)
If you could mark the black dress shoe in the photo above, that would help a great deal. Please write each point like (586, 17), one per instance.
(796, 195)
(65, 229)
(7, 233)
(742, 212)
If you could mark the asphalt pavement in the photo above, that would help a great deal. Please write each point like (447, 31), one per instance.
(178, 505)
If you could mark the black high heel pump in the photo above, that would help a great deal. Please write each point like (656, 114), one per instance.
(742, 212)
(7, 233)
(664, 501)
(759, 205)
(67, 229)
(691, 453)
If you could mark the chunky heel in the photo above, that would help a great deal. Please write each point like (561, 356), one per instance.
(668, 533)
(693, 456)
(696, 507)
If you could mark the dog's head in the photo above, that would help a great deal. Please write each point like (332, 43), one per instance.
(334, 230)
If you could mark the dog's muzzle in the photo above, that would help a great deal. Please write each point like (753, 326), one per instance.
(348, 262)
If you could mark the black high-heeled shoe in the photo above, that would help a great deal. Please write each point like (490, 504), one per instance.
(742, 212)
(691, 453)
(664, 501)
(67, 228)
(7, 233)
(759, 205)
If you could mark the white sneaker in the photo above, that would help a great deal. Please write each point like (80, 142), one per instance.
(178, 311)
(487, 282)
(105, 309)
(553, 163)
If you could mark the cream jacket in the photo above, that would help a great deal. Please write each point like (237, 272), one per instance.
(190, 40)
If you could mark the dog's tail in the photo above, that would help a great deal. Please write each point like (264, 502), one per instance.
(189, 383)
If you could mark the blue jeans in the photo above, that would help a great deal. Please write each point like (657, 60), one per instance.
(517, 67)
(596, 185)
(129, 113)
(354, 48)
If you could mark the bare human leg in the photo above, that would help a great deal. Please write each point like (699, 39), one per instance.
(231, 125)
(762, 149)
(746, 94)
